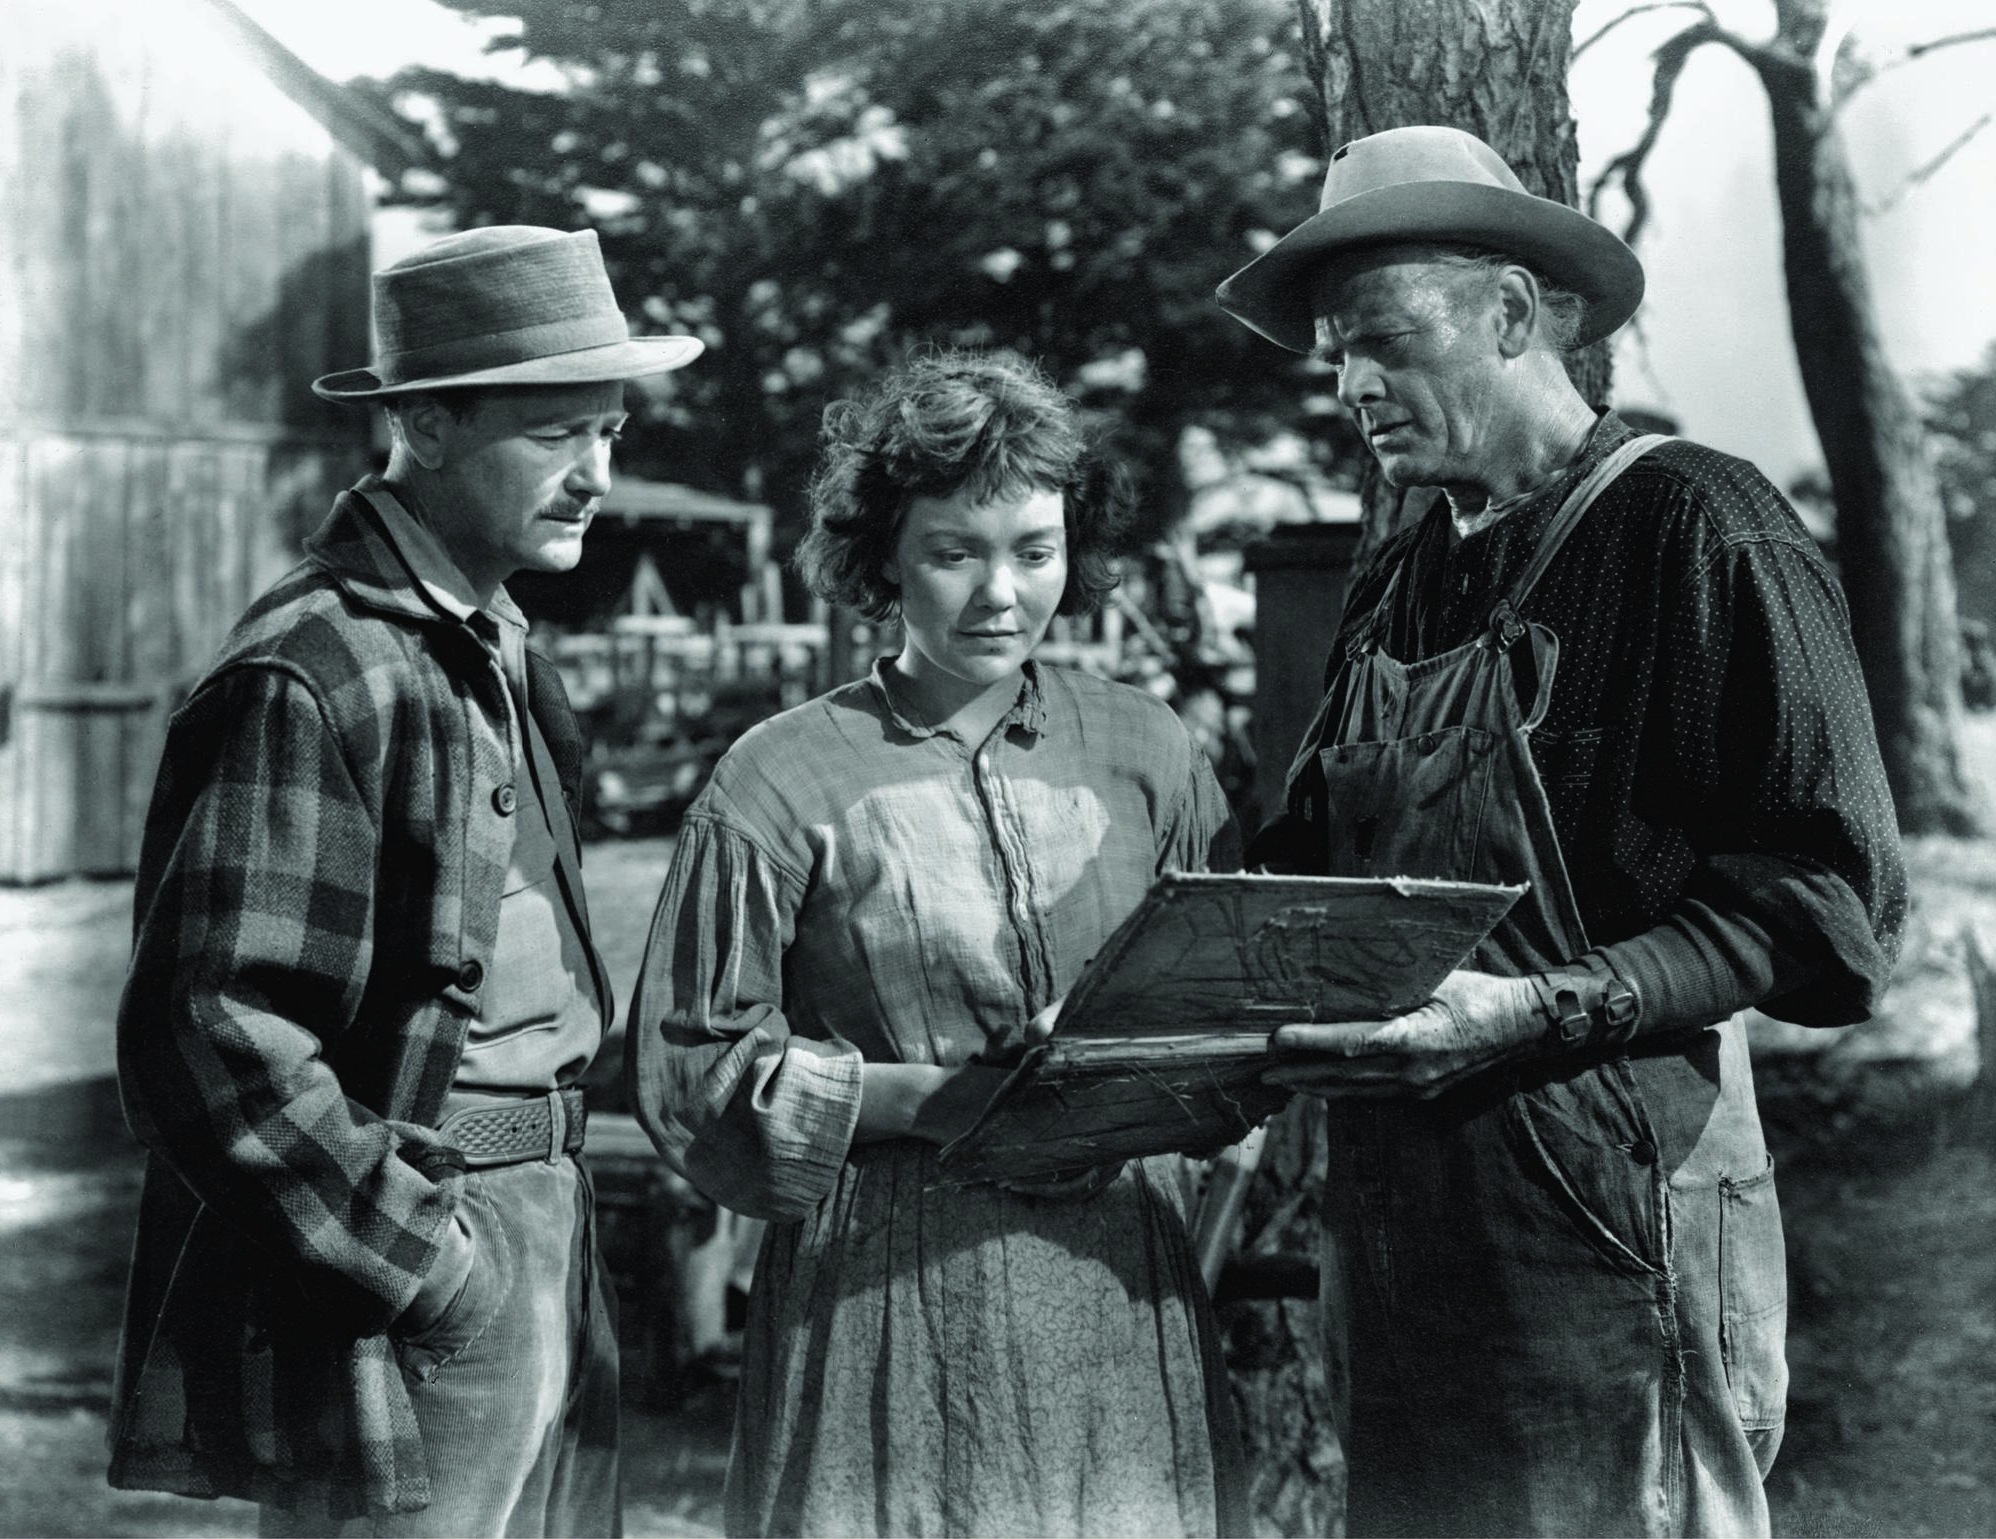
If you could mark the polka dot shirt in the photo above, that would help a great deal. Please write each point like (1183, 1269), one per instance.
(1709, 753)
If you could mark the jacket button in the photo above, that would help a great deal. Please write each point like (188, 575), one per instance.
(469, 975)
(504, 800)
(1643, 1152)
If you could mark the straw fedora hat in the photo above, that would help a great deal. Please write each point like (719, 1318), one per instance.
(510, 304)
(1432, 184)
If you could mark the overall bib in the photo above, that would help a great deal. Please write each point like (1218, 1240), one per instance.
(1559, 1321)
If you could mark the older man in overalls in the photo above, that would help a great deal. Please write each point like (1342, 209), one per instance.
(1614, 669)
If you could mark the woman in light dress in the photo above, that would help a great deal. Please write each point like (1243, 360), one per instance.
(880, 893)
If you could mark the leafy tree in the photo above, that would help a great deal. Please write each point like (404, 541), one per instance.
(817, 186)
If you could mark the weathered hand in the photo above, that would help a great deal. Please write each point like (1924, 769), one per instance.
(1476, 1020)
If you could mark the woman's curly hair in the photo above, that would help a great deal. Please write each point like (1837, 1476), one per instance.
(989, 423)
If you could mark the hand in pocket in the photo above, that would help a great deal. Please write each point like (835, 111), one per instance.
(428, 1339)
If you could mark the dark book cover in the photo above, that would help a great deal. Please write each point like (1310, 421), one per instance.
(1161, 1045)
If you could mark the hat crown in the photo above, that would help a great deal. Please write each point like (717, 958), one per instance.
(490, 297)
(505, 304)
(1427, 183)
(1425, 153)
(481, 241)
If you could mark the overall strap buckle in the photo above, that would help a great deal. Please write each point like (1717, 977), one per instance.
(1506, 626)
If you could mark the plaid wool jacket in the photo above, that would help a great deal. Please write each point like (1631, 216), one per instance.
(316, 909)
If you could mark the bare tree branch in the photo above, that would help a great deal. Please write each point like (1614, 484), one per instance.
(1914, 51)
(1838, 25)
(1921, 174)
(1982, 35)
(1627, 167)
(1315, 66)
(1655, 5)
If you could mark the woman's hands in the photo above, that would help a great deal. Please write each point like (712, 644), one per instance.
(956, 1103)
(1006, 1050)
(921, 1100)
(925, 1101)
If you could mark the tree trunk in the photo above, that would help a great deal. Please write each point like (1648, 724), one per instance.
(1288, 1388)
(1891, 523)
(1494, 68)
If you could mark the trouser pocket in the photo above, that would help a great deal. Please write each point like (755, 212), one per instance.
(1586, 1138)
(1753, 1299)
(486, 1290)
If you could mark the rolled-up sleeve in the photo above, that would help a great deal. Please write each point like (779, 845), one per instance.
(756, 1117)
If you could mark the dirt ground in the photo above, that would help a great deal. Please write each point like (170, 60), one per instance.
(1891, 1231)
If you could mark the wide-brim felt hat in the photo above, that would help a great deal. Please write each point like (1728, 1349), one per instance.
(1432, 184)
(502, 305)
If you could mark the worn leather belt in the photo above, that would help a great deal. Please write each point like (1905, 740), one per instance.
(544, 1128)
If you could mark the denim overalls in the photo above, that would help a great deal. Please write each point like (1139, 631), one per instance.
(1563, 1284)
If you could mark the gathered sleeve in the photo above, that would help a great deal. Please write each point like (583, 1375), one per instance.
(1200, 833)
(757, 1118)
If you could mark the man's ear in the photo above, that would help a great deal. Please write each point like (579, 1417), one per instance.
(1517, 311)
(424, 426)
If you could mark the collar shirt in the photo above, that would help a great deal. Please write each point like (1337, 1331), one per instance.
(540, 1018)
(1708, 752)
(855, 885)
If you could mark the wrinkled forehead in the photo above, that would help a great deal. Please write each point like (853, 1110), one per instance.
(1365, 286)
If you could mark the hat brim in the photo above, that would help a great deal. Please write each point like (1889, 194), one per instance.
(1271, 295)
(633, 359)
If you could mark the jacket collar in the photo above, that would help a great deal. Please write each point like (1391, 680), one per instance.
(381, 558)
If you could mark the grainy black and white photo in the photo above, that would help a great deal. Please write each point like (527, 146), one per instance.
(955, 768)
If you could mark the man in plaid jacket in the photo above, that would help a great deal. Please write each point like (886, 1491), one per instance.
(365, 1290)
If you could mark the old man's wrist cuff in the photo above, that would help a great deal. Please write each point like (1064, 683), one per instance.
(1586, 1006)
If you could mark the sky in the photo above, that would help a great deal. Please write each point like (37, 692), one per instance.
(1711, 346)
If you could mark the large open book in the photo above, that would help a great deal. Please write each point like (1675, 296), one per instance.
(1161, 1045)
